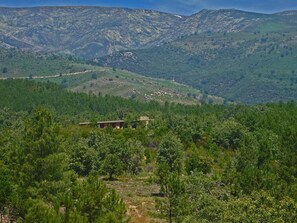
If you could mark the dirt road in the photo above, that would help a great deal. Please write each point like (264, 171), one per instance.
(49, 76)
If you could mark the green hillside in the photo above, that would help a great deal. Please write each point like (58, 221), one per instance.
(108, 81)
(253, 66)
(151, 149)
(78, 76)
(16, 63)
(26, 95)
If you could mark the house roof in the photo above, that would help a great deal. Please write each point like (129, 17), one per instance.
(142, 118)
(109, 122)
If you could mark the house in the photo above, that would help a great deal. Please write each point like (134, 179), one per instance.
(144, 119)
(118, 124)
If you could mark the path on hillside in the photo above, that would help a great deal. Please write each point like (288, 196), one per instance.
(50, 76)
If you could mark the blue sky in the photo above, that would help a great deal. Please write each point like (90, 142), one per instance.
(185, 7)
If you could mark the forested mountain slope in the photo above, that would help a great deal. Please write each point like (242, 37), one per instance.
(17, 63)
(253, 66)
(20, 95)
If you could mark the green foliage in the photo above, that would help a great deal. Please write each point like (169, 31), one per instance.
(133, 156)
(261, 207)
(41, 212)
(94, 76)
(169, 160)
(205, 198)
(36, 185)
(90, 201)
(6, 188)
(112, 165)
(195, 162)
(213, 163)
(18, 63)
(41, 151)
(82, 158)
(98, 204)
(170, 153)
(65, 103)
(129, 85)
(172, 206)
(228, 134)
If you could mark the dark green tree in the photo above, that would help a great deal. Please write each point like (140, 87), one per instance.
(112, 165)
(172, 207)
(94, 76)
(195, 162)
(170, 153)
(41, 146)
(6, 189)
(100, 204)
(132, 154)
(82, 158)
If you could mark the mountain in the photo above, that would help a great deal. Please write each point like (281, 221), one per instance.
(92, 32)
(85, 31)
(241, 56)
(249, 63)
(223, 20)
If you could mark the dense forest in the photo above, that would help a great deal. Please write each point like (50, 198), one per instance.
(211, 163)
(18, 63)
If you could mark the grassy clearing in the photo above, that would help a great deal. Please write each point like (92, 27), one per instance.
(138, 194)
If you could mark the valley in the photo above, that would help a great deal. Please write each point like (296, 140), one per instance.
(76, 75)
(249, 67)
(240, 56)
(118, 115)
